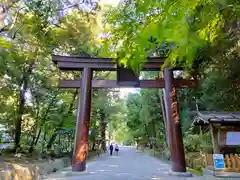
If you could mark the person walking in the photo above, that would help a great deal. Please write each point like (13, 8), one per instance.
(111, 149)
(116, 149)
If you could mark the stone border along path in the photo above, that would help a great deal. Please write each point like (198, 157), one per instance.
(128, 165)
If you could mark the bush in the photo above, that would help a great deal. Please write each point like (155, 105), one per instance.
(194, 145)
(196, 142)
(161, 153)
(195, 160)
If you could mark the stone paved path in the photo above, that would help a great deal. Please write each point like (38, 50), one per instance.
(128, 165)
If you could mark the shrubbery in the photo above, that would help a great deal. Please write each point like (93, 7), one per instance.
(197, 142)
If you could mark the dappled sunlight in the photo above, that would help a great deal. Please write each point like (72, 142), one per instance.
(113, 165)
(164, 165)
(174, 106)
(114, 157)
(102, 170)
(121, 174)
(161, 169)
(92, 172)
(156, 178)
(82, 152)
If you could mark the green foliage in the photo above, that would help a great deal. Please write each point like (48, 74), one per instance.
(196, 143)
(187, 25)
(37, 29)
(142, 118)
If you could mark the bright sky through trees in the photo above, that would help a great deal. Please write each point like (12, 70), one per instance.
(113, 2)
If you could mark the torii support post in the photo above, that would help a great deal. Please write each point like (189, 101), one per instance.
(83, 121)
(173, 124)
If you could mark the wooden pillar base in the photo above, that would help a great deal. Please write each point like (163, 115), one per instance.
(83, 120)
(79, 166)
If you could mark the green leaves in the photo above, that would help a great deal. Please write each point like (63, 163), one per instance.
(36, 30)
(4, 44)
(189, 25)
(143, 116)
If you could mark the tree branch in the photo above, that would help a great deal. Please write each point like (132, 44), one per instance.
(15, 33)
(14, 21)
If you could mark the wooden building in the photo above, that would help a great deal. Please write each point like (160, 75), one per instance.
(225, 134)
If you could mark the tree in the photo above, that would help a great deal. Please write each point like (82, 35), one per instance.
(143, 118)
(34, 30)
(187, 26)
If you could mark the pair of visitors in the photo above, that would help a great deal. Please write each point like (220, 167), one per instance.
(111, 149)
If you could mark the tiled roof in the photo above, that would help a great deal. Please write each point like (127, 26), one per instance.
(206, 117)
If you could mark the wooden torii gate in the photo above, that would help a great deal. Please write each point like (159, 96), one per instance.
(125, 78)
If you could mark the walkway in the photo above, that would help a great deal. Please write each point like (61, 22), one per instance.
(129, 165)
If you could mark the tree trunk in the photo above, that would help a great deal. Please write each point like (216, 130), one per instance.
(93, 146)
(52, 139)
(36, 138)
(23, 89)
(103, 129)
(161, 96)
(44, 118)
(153, 142)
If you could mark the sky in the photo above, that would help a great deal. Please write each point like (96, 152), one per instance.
(113, 2)
(124, 91)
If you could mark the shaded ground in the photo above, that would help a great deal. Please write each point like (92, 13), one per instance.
(20, 159)
(26, 159)
(129, 165)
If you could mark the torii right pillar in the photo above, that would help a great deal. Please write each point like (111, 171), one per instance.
(174, 126)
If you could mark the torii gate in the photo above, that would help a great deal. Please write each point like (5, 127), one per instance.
(125, 78)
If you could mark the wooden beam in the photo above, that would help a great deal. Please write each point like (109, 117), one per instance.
(73, 66)
(178, 83)
(76, 63)
(79, 59)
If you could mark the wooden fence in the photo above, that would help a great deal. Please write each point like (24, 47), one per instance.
(232, 162)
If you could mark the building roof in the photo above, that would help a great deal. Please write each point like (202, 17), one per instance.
(224, 118)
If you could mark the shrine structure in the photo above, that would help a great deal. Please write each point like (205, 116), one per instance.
(125, 78)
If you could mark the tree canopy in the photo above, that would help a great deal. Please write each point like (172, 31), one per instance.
(35, 111)
(184, 27)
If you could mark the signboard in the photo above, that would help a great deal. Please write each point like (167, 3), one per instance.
(233, 138)
(218, 161)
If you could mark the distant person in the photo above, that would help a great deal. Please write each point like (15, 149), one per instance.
(116, 148)
(111, 149)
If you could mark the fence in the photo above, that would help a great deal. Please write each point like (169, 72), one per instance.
(232, 162)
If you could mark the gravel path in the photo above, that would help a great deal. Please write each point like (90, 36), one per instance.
(128, 165)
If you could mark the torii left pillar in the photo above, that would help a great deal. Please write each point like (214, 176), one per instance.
(83, 121)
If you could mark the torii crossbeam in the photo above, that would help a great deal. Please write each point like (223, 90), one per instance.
(125, 78)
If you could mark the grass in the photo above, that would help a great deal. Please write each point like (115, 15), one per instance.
(195, 171)
(159, 155)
